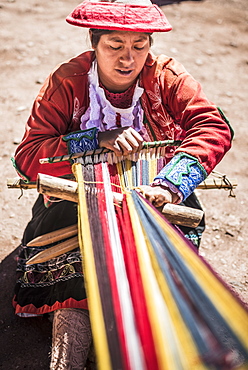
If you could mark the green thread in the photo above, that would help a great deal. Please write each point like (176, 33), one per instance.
(25, 178)
(224, 117)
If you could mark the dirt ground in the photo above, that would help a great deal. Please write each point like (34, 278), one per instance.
(210, 38)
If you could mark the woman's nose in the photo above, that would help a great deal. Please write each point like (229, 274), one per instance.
(127, 57)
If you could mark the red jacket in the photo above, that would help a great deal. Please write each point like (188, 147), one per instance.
(174, 105)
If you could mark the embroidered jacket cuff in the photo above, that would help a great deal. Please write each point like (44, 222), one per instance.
(82, 141)
(184, 172)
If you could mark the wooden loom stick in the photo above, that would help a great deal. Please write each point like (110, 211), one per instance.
(209, 183)
(217, 184)
(54, 251)
(54, 236)
(145, 145)
(67, 189)
(181, 215)
(57, 187)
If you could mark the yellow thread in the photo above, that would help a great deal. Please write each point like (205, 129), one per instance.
(94, 300)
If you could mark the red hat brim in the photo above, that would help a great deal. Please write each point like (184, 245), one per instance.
(119, 17)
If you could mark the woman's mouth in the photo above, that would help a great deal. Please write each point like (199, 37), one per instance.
(124, 72)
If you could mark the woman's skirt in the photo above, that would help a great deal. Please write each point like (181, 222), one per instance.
(58, 283)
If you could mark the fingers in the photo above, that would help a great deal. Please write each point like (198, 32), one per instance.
(155, 195)
(122, 141)
(129, 143)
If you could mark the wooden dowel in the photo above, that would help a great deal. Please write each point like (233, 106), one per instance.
(209, 183)
(54, 236)
(17, 183)
(217, 183)
(181, 215)
(57, 187)
(54, 251)
(145, 146)
(66, 189)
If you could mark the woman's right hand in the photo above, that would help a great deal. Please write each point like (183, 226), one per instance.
(122, 141)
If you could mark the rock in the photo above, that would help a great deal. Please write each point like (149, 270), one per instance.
(174, 50)
(199, 62)
(16, 141)
(233, 44)
(39, 81)
(21, 108)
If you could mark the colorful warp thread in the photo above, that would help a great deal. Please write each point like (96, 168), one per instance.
(154, 303)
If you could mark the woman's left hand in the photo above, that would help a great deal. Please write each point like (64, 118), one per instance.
(157, 195)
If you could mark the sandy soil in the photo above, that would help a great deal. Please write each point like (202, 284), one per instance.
(210, 39)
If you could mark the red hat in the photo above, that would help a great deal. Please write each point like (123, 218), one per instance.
(120, 15)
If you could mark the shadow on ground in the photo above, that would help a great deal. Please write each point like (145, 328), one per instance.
(17, 351)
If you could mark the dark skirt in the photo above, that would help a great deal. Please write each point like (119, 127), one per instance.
(59, 283)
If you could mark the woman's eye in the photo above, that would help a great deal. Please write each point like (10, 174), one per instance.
(113, 48)
(139, 47)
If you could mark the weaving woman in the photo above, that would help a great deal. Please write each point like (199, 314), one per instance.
(116, 96)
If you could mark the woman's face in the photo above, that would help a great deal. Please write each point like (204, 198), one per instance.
(121, 56)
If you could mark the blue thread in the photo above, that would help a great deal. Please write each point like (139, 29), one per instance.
(169, 259)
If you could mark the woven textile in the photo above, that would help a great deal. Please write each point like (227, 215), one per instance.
(154, 303)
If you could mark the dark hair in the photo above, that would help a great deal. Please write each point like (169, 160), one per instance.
(97, 33)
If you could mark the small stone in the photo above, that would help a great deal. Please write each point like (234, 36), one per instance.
(209, 52)
(215, 228)
(39, 81)
(199, 62)
(21, 108)
(16, 141)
